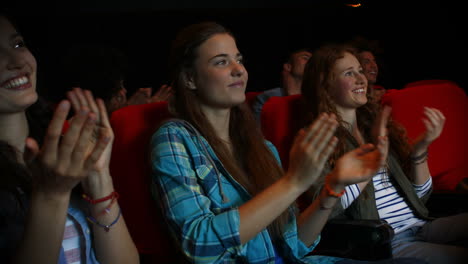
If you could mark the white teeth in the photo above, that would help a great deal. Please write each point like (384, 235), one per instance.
(358, 90)
(16, 82)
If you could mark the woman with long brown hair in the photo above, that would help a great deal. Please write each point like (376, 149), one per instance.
(220, 184)
(334, 83)
(44, 171)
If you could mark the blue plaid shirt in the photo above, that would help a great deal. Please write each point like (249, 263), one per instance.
(187, 186)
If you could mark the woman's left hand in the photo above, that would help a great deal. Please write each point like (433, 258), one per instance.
(380, 131)
(434, 122)
(99, 179)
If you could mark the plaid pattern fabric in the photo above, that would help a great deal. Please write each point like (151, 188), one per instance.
(186, 184)
(71, 242)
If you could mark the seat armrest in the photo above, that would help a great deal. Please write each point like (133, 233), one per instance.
(356, 239)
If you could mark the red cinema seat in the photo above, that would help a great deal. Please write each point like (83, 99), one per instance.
(425, 82)
(250, 97)
(130, 169)
(448, 155)
(280, 121)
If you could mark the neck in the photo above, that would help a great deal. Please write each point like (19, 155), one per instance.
(219, 119)
(349, 116)
(14, 130)
(292, 85)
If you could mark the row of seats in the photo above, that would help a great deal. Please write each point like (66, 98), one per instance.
(134, 125)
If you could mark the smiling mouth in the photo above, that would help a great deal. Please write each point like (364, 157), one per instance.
(359, 91)
(236, 84)
(16, 83)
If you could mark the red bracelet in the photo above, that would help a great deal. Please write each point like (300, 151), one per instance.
(107, 209)
(330, 192)
(91, 201)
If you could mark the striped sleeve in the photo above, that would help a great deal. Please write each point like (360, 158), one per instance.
(351, 193)
(424, 188)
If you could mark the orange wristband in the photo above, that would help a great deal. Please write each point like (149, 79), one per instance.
(330, 192)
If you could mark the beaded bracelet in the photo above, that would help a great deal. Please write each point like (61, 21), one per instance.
(417, 158)
(91, 201)
(416, 162)
(420, 158)
(108, 207)
(106, 227)
(330, 192)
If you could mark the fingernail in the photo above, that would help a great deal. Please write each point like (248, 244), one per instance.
(64, 104)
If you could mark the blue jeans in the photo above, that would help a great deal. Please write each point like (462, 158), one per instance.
(442, 240)
(385, 261)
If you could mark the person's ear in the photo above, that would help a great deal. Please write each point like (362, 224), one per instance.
(287, 67)
(189, 82)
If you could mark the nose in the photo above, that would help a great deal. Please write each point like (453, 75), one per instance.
(238, 69)
(361, 79)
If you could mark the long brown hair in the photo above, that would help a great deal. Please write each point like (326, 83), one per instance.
(251, 163)
(316, 86)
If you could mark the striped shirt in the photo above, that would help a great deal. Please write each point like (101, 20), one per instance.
(72, 240)
(390, 204)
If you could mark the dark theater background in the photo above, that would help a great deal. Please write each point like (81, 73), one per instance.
(420, 39)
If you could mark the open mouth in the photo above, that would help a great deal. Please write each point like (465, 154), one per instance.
(359, 91)
(16, 83)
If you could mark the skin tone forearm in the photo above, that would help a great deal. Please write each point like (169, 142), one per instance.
(420, 172)
(354, 167)
(56, 168)
(44, 229)
(434, 122)
(312, 220)
(310, 150)
(259, 212)
(115, 246)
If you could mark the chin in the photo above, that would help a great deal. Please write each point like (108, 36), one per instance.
(239, 99)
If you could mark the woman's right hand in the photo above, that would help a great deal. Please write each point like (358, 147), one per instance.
(358, 165)
(311, 149)
(63, 161)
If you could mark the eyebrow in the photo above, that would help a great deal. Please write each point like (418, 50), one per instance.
(224, 55)
(15, 35)
(351, 68)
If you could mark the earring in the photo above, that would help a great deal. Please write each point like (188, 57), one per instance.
(191, 86)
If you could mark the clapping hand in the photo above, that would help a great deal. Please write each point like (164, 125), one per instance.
(434, 122)
(100, 174)
(65, 160)
(311, 149)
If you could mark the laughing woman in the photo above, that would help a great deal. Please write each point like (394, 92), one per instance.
(334, 82)
(43, 219)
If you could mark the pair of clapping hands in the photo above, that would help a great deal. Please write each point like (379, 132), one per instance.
(81, 154)
(314, 145)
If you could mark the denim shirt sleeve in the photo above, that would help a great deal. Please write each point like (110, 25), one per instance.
(205, 236)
